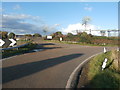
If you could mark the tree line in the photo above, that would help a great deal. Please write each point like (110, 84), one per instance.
(5, 35)
(83, 37)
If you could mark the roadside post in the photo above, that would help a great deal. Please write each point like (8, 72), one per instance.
(118, 49)
(61, 39)
(105, 50)
(104, 64)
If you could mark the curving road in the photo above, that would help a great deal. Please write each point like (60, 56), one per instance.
(49, 68)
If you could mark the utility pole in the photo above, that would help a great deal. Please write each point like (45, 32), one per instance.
(108, 33)
(90, 31)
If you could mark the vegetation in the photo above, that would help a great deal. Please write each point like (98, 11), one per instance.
(11, 35)
(28, 35)
(37, 35)
(110, 76)
(3, 34)
(84, 38)
(69, 34)
(57, 35)
(20, 42)
(21, 50)
(80, 37)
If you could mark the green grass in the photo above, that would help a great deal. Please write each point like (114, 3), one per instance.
(20, 42)
(25, 49)
(78, 43)
(108, 78)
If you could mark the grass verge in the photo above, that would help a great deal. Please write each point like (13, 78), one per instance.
(21, 50)
(78, 43)
(20, 42)
(109, 77)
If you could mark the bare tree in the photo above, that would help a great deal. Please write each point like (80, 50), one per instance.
(45, 31)
(85, 21)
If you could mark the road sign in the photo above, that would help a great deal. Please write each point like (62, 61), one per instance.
(7, 42)
(13, 42)
(1, 42)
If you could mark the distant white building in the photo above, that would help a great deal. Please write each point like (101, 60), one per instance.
(49, 37)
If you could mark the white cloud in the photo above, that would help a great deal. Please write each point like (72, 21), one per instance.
(19, 17)
(78, 26)
(88, 8)
(57, 24)
(17, 7)
(20, 25)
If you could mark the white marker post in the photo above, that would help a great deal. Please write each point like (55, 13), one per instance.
(61, 39)
(118, 49)
(104, 44)
(105, 50)
(104, 64)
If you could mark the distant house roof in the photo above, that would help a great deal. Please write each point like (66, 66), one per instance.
(19, 36)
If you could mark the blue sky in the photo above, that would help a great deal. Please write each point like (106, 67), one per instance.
(60, 15)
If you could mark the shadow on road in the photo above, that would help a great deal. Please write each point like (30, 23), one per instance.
(19, 71)
(24, 50)
(47, 46)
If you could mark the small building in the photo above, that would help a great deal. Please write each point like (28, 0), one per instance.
(49, 37)
(20, 37)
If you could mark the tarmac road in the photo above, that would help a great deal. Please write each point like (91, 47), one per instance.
(49, 68)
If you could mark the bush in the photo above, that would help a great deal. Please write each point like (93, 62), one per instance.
(37, 35)
(11, 35)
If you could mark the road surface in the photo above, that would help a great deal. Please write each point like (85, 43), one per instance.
(49, 68)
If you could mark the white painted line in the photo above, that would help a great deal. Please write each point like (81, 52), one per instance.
(70, 80)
